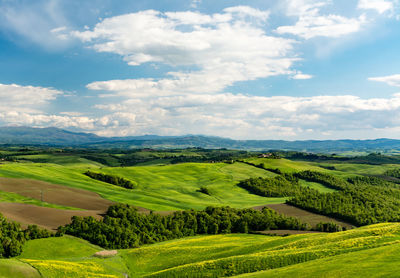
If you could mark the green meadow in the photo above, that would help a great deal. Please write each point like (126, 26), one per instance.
(163, 187)
(160, 187)
(369, 251)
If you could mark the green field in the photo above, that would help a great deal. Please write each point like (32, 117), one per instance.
(363, 252)
(17, 269)
(377, 262)
(162, 187)
(171, 187)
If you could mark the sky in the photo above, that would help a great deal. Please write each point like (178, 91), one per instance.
(256, 69)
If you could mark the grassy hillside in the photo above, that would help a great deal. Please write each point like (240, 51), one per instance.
(168, 187)
(378, 262)
(172, 187)
(362, 252)
(17, 269)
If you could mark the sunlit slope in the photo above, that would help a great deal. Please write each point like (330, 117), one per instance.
(279, 252)
(66, 160)
(286, 165)
(340, 169)
(377, 262)
(70, 257)
(16, 269)
(362, 252)
(168, 187)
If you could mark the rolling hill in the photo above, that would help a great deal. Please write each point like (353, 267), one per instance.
(371, 251)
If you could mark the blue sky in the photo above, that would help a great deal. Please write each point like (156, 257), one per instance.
(293, 69)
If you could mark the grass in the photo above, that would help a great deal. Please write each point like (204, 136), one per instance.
(363, 252)
(60, 159)
(285, 165)
(315, 185)
(169, 187)
(364, 169)
(58, 248)
(378, 262)
(17, 269)
(70, 257)
(271, 253)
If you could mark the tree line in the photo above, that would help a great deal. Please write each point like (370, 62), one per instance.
(124, 227)
(111, 179)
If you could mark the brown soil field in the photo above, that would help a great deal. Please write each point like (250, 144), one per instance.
(55, 194)
(308, 217)
(48, 218)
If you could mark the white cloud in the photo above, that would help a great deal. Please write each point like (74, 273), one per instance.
(380, 6)
(304, 7)
(224, 48)
(302, 76)
(25, 98)
(255, 117)
(312, 24)
(222, 114)
(392, 80)
(26, 105)
(244, 11)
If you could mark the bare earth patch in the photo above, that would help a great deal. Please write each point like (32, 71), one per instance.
(308, 217)
(48, 218)
(105, 253)
(55, 194)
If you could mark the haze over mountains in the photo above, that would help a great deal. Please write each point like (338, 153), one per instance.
(59, 137)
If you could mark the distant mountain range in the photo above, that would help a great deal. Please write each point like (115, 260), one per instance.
(59, 137)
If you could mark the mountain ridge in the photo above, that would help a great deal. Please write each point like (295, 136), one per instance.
(53, 136)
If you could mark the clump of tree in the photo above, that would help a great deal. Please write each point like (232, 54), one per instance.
(13, 237)
(204, 190)
(329, 227)
(327, 180)
(279, 186)
(111, 179)
(358, 200)
(374, 181)
(264, 167)
(360, 203)
(395, 173)
(124, 227)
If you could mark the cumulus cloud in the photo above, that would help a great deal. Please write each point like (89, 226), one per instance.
(27, 105)
(302, 76)
(223, 48)
(25, 98)
(392, 80)
(311, 23)
(237, 116)
(256, 117)
(380, 6)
